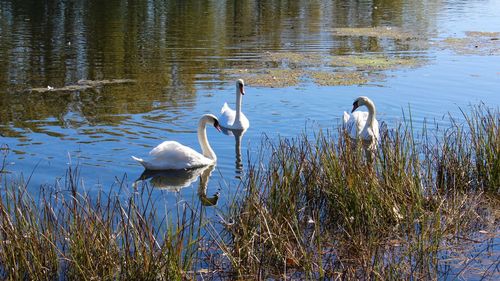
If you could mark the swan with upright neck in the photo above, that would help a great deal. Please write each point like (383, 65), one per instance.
(171, 155)
(361, 124)
(235, 119)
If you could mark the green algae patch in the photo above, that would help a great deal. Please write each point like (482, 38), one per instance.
(374, 62)
(482, 34)
(324, 78)
(288, 69)
(82, 85)
(475, 43)
(274, 78)
(293, 58)
(379, 32)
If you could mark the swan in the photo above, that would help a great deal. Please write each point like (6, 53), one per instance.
(361, 124)
(235, 119)
(171, 155)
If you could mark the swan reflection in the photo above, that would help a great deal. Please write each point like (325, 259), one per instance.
(238, 135)
(175, 180)
(202, 188)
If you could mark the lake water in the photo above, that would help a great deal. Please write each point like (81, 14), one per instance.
(184, 58)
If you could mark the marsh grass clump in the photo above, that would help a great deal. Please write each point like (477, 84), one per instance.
(317, 208)
(69, 234)
(468, 155)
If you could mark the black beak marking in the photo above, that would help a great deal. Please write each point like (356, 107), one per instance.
(216, 125)
(242, 91)
(354, 106)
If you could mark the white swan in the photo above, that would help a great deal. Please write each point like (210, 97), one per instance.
(171, 155)
(363, 125)
(235, 119)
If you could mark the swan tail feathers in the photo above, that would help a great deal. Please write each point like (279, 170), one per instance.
(224, 107)
(346, 117)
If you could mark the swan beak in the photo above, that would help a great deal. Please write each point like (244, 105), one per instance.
(354, 106)
(217, 126)
(242, 90)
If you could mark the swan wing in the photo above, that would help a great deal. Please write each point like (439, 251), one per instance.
(371, 134)
(346, 117)
(355, 124)
(227, 119)
(224, 108)
(227, 116)
(171, 155)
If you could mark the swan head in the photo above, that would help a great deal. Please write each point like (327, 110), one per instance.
(240, 86)
(212, 120)
(360, 101)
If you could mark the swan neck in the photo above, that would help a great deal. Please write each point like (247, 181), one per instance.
(238, 105)
(206, 149)
(371, 112)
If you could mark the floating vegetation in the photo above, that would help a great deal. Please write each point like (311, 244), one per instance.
(273, 78)
(475, 43)
(294, 58)
(324, 78)
(482, 34)
(82, 85)
(376, 62)
(323, 69)
(379, 31)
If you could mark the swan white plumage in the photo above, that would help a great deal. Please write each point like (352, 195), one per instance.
(235, 119)
(361, 124)
(171, 155)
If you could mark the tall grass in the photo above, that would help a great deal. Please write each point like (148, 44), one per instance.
(308, 208)
(318, 208)
(69, 234)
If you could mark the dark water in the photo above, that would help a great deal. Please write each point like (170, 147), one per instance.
(182, 56)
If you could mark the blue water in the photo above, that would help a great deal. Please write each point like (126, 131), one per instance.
(101, 147)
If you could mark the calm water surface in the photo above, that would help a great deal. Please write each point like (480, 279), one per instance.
(180, 55)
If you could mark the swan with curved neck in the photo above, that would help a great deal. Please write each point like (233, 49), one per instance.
(235, 119)
(363, 125)
(171, 155)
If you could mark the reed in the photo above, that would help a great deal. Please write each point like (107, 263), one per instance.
(70, 234)
(318, 208)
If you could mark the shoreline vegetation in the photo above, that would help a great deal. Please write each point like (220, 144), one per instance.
(308, 208)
